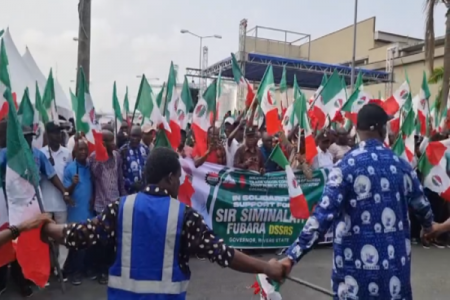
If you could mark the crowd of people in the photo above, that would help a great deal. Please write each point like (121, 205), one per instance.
(82, 196)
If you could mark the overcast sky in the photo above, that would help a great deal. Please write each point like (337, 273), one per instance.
(131, 37)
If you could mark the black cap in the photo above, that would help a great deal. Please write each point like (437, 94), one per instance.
(27, 130)
(52, 127)
(250, 130)
(371, 117)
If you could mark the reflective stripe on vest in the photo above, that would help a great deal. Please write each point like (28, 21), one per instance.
(165, 286)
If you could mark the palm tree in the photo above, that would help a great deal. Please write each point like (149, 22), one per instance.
(429, 46)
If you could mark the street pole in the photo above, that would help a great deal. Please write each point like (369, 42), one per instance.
(200, 64)
(352, 78)
(84, 38)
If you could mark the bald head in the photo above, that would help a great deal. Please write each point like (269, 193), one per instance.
(213, 134)
(267, 140)
(135, 136)
(108, 140)
(136, 130)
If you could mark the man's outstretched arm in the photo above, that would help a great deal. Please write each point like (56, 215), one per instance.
(325, 212)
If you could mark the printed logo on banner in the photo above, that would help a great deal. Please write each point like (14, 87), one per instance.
(229, 182)
(212, 178)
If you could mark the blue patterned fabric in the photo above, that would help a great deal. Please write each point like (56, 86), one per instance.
(133, 165)
(366, 200)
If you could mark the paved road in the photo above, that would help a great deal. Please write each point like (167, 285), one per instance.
(209, 282)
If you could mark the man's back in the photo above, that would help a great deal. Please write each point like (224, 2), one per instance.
(372, 250)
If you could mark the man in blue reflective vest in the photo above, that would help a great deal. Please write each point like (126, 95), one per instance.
(155, 235)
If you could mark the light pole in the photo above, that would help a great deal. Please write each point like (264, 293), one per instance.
(215, 36)
(355, 23)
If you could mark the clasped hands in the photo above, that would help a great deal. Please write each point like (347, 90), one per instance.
(278, 270)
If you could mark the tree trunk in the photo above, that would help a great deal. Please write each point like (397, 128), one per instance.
(446, 79)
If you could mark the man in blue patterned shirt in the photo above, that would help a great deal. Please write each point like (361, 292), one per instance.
(134, 154)
(366, 200)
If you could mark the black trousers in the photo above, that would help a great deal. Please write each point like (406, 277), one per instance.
(103, 256)
(16, 276)
(440, 209)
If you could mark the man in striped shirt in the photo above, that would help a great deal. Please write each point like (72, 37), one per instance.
(108, 187)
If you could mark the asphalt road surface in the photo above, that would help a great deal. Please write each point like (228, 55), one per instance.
(210, 282)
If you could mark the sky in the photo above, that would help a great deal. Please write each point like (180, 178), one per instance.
(133, 37)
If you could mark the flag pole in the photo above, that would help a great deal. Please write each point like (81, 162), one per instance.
(115, 130)
(310, 285)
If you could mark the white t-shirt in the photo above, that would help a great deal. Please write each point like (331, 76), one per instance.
(231, 151)
(52, 198)
(323, 160)
(71, 143)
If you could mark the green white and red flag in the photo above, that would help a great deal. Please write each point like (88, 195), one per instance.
(434, 116)
(38, 127)
(289, 119)
(330, 102)
(357, 100)
(288, 123)
(147, 106)
(444, 121)
(5, 81)
(186, 104)
(201, 119)
(241, 81)
(300, 113)
(24, 197)
(422, 107)
(267, 101)
(49, 113)
(86, 120)
(317, 93)
(297, 201)
(172, 107)
(394, 103)
(433, 166)
(404, 146)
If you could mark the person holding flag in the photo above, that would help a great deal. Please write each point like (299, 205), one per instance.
(366, 200)
(108, 186)
(79, 183)
(13, 232)
(155, 235)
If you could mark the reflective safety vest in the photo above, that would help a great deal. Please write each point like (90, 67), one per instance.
(148, 241)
